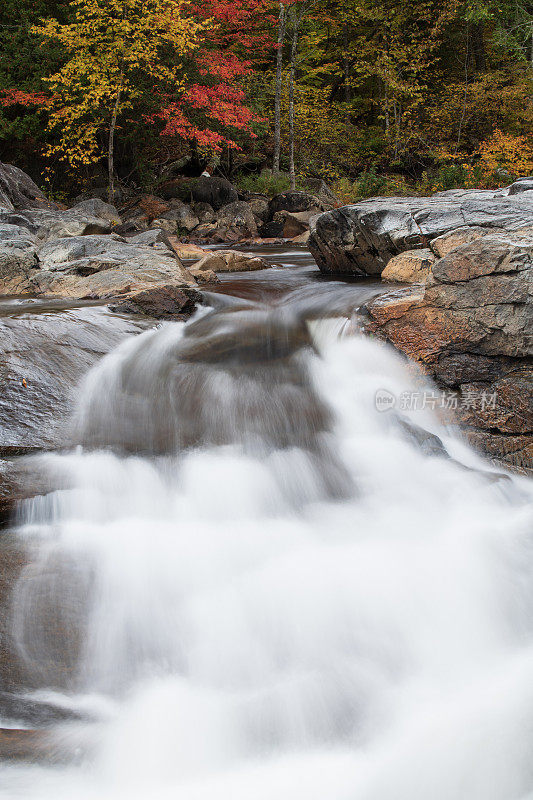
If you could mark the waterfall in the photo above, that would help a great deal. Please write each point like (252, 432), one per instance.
(253, 582)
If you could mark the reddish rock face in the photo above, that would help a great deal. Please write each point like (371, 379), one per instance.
(471, 328)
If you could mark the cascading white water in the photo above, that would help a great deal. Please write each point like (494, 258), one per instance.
(269, 590)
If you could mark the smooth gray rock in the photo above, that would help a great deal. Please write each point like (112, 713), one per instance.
(43, 358)
(17, 190)
(522, 185)
(83, 255)
(180, 217)
(150, 237)
(18, 257)
(95, 207)
(360, 239)
(236, 221)
(97, 266)
(51, 224)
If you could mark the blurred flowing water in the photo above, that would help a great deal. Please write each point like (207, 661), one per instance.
(254, 584)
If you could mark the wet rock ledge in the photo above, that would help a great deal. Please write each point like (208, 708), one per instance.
(467, 314)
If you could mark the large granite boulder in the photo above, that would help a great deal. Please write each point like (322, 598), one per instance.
(204, 212)
(180, 218)
(18, 257)
(320, 189)
(162, 301)
(49, 224)
(100, 267)
(360, 239)
(43, 359)
(471, 328)
(234, 222)
(96, 207)
(522, 185)
(411, 266)
(17, 190)
(292, 223)
(260, 208)
(106, 267)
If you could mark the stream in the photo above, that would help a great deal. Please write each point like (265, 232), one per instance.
(252, 582)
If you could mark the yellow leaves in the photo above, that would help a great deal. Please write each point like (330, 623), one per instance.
(508, 153)
(112, 44)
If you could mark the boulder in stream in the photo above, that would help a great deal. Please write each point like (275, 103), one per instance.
(229, 261)
(44, 354)
(361, 239)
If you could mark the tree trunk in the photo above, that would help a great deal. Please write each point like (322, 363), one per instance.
(277, 98)
(478, 47)
(387, 119)
(347, 88)
(111, 149)
(294, 47)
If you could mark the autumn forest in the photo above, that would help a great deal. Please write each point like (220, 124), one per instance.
(375, 98)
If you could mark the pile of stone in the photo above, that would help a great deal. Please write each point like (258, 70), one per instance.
(211, 210)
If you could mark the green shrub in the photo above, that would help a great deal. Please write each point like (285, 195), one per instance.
(370, 184)
(265, 183)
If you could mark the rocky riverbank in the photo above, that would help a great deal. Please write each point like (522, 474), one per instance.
(467, 316)
(141, 256)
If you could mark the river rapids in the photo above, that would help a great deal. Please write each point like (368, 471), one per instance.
(254, 583)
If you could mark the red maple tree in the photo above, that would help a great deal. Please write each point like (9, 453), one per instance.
(213, 108)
